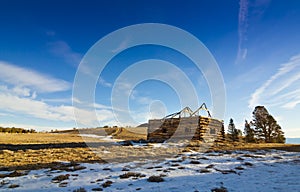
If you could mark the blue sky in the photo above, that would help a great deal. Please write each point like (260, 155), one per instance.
(256, 44)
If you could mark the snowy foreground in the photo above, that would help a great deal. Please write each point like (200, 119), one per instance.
(236, 171)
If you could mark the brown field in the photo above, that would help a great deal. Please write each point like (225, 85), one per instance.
(39, 138)
(71, 136)
(39, 150)
(43, 150)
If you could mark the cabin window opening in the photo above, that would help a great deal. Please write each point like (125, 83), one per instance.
(212, 131)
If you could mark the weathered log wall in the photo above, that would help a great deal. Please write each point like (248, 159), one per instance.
(190, 128)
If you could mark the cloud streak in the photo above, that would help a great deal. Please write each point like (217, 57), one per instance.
(63, 50)
(282, 89)
(242, 30)
(104, 83)
(248, 9)
(121, 46)
(23, 77)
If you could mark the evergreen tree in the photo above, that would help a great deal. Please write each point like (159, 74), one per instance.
(266, 127)
(223, 132)
(232, 131)
(249, 133)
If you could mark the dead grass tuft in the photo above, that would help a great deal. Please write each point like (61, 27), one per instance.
(204, 171)
(131, 174)
(195, 162)
(107, 184)
(60, 178)
(155, 179)
(12, 186)
(221, 189)
(248, 164)
(16, 173)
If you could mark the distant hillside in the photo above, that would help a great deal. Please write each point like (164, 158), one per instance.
(129, 133)
(95, 131)
(143, 125)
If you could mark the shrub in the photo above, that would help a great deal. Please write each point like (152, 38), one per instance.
(12, 186)
(60, 178)
(131, 174)
(204, 171)
(221, 189)
(107, 184)
(155, 179)
(195, 162)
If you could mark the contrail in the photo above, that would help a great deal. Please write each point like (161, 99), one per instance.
(242, 30)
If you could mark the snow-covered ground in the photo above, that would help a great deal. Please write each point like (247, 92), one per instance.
(236, 171)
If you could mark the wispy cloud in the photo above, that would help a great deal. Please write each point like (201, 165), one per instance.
(62, 49)
(260, 7)
(257, 8)
(121, 46)
(50, 33)
(104, 83)
(24, 77)
(282, 89)
(246, 78)
(57, 100)
(242, 30)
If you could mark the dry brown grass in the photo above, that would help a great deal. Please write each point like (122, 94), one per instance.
(40, 150)
(48, 154)
(35, 159)
(42, 138)
(132, 134)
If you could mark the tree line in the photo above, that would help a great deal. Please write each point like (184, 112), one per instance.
(262, 128)
(16, 130)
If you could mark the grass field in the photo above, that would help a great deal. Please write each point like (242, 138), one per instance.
(39, 138)
(38, 150)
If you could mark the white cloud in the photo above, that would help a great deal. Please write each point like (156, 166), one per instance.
(21, 91)
(101, 106)
(282, 89)
(121, 46)
(34, 95)
(144, 100)
(242, 29)
(18, 91)
(124, 86)
(28, 106)
(31, 107)
(57, 100)
(62, 49)
(23, 77)
(292, 104)
(105, 115)
(104, 83)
